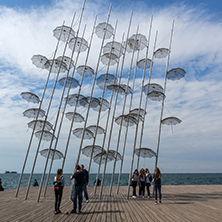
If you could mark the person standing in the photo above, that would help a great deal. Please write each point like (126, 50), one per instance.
(59, 183)
(142, 183)
(134, 179)
(86, 181)
(1, 187)
(78, 175)
(35, 183)
(157, 184)
(148, 181)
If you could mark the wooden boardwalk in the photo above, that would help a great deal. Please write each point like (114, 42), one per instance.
(179, 203)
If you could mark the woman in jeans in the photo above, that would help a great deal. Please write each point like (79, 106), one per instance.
(157, 184)
(142, 179)
(134, 179)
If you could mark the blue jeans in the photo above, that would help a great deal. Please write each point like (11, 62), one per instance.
(85, 191)
(157, 187)
(77, 192)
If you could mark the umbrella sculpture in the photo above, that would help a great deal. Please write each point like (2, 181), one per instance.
(38, 124)
(102, 157)
(145, 152)
(108, 78)
(32, 113)
(92, 128)
(101, 28)
(39, 61)
(176, 74)
(78, 118)
(80, 44)
(55, 65)
(161, 53)
(88, 71)
(74, 82)
(30, 97)
(87, 133)
(104, 105)
(170, 121)
(67, 60)
(127, 89)
(150, 87)
(93, 103)
(72, 99)
(139, 40)
(66, 31)
(156, 95)
(87, 150)
(141, 63)
(116, 88)
(113, 47)
(57, 154)
(109, 58)
(46, 135)
(126, 118)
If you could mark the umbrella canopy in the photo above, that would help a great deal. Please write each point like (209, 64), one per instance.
(113, 47)
(67, 60)
(102, 156)
(140, 111)
(72, 99)
(46, 135)
(104, 105)
(145, 152)
(109, 58)
(142, 62)
(30, 97)
(161, 53)
(92, 128)
(171, 121)
(78, 118)
(55, 66)
(139, 40)
(113, 152)
(78, 133)
(39, 125)
(109, 78)
(63, 33)
(87, 150)
(127, 89)
(93, 103)
(152, 87)
(88, 71)
(156, 95)
(32, 113)
(57, 154)
(78, 44)
(116, 88)
(39, 61)
(74, 83)
(126, 120)
(176, 74)
(101, 28)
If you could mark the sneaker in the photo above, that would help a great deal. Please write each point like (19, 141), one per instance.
(155, 202)
(134, 196)
(160, 201)
(87, 201)
(73, 212)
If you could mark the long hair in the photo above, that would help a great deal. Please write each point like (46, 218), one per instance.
(59, 174)
(157, 173)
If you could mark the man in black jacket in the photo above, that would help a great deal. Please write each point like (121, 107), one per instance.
(86, 181)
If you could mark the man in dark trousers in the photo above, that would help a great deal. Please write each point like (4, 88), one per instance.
(78, 175)
(86, 181)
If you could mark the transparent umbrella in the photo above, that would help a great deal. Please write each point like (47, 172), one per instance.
(46, 135)
(67, 60)
(32, 113)
(87, 133)
(127, 89)
(56, 66)
(72, 99)
(116, 88)
(101, 28)
(88, 72)
(140, 111)
(102, 156)
(170, 121)
(156, 95)
(113, 152)
(78, 118)
(145, 152)
(39, 61)
(87, 150)
(94, 102)
(74, 82)
(161, 53)
(65, 32)
(92, 128)
(152, 87)
(142, 62)
(109, 58)
(139, 40)
(176, 74)
(126, 119)
(57, 154)
(30, 97)
(80, 44)
(113, 47)
(39, 125)
(104, 105)
(109, 78)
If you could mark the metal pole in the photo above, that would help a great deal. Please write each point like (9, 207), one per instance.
(161, 114)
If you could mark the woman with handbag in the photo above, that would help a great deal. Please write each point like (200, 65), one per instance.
(134, 179)
(59, 183)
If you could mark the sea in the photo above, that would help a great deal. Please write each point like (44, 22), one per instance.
(10, 181)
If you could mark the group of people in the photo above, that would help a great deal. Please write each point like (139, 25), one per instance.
(81, 177)
(144, 179)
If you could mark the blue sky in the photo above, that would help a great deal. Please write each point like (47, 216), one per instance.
(194, 145)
